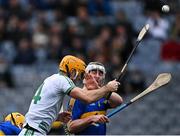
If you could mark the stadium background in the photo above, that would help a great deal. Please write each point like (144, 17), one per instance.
(36, 34)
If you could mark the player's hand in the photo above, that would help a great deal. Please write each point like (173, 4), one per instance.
(99, 119)
(113, 85)
(64, 117)
(90, 82)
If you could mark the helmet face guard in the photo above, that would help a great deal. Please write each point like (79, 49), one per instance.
(96, 66)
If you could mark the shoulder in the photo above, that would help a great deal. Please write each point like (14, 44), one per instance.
(64, 78)
(59, 78)
(55, 77)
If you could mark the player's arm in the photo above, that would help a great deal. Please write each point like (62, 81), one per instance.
(78, 125)
(115, 100)
(64, 116)
(93, 95)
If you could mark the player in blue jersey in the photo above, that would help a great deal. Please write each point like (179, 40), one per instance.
(83, 115)
(12, 124)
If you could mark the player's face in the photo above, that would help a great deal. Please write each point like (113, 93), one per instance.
(98, 76)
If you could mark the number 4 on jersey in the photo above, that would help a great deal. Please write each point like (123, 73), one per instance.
(37, 96)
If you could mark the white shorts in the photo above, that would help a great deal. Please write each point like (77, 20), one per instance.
(30, 132)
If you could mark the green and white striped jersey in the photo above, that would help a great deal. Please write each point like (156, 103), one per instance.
(47, 102)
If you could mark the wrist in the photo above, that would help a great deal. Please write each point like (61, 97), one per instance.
(107, 88)
(90, 120)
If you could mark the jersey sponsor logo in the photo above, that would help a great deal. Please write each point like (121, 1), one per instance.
(92, 104)
(87, 114)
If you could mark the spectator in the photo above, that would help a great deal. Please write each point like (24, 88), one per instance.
(12, 29)
(176, 27)
(99, 7)
(14, 8)
(5, 74)
(25, 54)
(40, 41)
(151, 5)
(55, 48)
(171, 48)
(67, 7)
(121, 47)
(135, 81)
(84, 22)
(125, 41)
(77, 45)
(102, 42)
(159, 26)
(2, 29)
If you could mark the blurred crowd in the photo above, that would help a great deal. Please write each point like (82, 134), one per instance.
(35, 31)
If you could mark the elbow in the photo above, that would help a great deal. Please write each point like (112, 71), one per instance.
(116, 103)
(120, 101)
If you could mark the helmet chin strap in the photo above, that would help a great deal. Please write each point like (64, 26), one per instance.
(13, 119)
(76, 75)
(69, 74)
(67, 69)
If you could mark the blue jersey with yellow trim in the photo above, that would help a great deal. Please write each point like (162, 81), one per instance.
(82, 110)
(9, 129)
